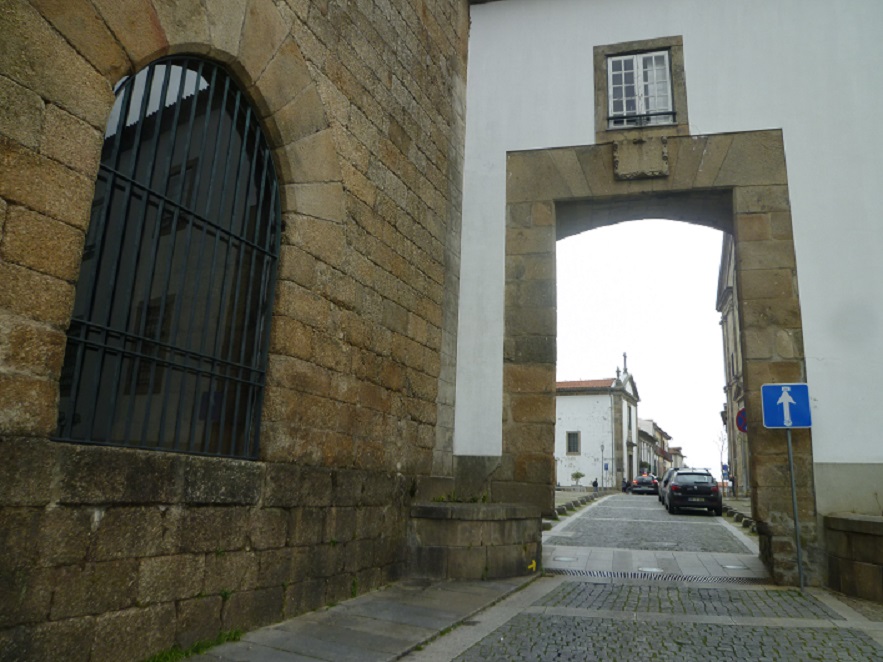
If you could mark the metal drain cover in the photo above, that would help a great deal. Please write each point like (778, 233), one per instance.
(564, 558)
(651, 569)
(657, 577)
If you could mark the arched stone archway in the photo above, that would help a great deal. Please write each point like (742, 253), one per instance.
(734, 182)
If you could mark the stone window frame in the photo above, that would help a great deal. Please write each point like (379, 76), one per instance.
(674, 46)
(567, 439)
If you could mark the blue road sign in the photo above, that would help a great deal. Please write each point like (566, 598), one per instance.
(786, 406)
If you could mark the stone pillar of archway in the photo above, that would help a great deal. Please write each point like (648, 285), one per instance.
(734, 182)
(772, 350)
(527, 471)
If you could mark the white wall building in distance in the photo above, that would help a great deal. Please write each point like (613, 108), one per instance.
(596, 426)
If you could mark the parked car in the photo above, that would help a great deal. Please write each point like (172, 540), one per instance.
(664, 481)
(694, 488)
(644, 484)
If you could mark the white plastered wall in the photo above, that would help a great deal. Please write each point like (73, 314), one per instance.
(589, 415)
(803, 66)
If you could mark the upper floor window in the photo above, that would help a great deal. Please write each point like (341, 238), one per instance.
(640, 86)
(639, 90)
(168, 343)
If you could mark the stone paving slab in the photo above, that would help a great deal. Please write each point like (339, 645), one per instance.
(704, 536)
(640, 523)
(382, 625)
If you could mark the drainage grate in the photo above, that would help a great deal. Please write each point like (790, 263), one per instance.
(656, 576)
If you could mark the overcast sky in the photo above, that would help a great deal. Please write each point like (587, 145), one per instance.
(649, 288)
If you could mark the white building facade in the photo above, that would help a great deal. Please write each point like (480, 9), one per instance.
(596, 430)
(799, 66)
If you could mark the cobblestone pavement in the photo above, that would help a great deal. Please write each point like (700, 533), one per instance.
(602, 605)
(641, 523)
(561, 638)
(619, 619)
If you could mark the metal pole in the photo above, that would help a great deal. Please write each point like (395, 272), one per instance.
(602, 466)
(794, 507)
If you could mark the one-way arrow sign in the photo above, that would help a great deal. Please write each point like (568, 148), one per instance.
(786, 406)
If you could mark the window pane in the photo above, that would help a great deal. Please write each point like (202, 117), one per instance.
(639, 85)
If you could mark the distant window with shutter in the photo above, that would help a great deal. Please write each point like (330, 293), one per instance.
(573, 443)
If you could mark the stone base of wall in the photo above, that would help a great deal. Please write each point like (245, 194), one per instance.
(110, 549)
(778, 552)
(474, 540)
(855, 555)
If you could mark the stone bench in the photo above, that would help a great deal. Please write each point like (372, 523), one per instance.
(474, 540)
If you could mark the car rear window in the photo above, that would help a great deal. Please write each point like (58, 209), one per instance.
(693, 479)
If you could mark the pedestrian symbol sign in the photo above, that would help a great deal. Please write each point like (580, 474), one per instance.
(786, 406)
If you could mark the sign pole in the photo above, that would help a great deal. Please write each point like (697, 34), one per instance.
(794, 507)
(788, 406)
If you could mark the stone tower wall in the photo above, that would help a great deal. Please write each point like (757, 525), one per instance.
(115, 554)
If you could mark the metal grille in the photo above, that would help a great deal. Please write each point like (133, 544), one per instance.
(167, 348)
(657, 576)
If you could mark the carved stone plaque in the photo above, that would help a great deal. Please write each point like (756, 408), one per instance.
(643, 158)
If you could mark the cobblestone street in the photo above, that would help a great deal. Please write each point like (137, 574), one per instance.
(566, 637)
(640, 522)
(626, 580)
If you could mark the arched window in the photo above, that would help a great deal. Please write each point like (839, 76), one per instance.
(167, 348)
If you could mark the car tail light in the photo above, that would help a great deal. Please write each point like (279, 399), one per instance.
(674, 488)
(714, 489)
(655, 482)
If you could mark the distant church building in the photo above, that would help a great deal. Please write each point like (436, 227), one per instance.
(596, 429)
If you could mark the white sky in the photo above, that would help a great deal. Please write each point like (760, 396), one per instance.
(649, 288)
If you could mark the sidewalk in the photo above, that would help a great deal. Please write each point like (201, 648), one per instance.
(382, 625)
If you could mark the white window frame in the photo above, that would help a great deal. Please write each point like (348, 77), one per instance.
(651, 90)
(567, 438)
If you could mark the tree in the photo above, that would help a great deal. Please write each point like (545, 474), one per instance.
(576, 475)
(721, 444)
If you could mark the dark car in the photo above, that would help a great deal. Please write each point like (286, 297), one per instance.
(644, 484)
(694, 488)
(664, 481)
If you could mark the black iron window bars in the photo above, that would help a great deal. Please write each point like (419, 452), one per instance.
(167, 348)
